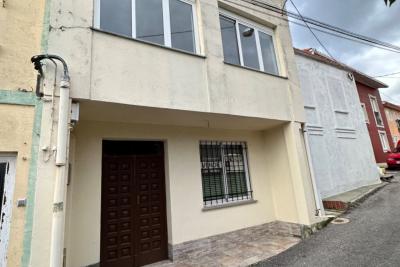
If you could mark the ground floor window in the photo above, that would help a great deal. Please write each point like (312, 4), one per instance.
(224, 170)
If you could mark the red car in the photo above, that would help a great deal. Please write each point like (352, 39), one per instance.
(393, 158)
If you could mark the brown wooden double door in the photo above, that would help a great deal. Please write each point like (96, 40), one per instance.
(133, 210)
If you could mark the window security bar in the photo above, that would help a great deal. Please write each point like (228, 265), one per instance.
(225, 174)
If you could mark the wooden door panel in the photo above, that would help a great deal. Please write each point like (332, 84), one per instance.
(117, 234)
(152, 239)
(134, 226)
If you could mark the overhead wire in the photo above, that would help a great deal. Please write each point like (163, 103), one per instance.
(315, 36)
(385, 75)
(320, 24)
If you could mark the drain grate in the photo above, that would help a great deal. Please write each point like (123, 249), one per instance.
(340, 221)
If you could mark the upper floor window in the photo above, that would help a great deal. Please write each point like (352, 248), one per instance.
(166, 22)
(375, 110)
(365, 112)
(247, 45)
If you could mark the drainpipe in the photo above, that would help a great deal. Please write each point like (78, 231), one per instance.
(57, 229)
(320, 212)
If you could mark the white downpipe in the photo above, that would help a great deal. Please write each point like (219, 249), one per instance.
(317, 198)
(57, 229)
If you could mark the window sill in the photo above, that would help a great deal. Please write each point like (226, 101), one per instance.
(341, 111)
(256, 70)
(228, 205)
(346, 130)
(149, 43)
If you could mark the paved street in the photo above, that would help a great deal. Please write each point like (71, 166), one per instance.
(371, 238)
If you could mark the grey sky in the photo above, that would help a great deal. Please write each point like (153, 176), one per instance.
(367, 17)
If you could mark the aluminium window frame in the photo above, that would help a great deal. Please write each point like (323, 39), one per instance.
(257, 28)
(371, 99)
(166, 23)
(229, 200)
(385, 142)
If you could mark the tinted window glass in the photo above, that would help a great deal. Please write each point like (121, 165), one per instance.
(229, 40)
(249, 47)
(182, 28)
(149, 21)
(268, 53)
(116, 16)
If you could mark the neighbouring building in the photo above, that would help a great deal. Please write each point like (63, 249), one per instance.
(371, 103)
(375, 117)
(190, 125)
(21, 24)
(340, 146)
(392, 112)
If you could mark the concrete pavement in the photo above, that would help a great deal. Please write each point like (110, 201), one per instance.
(371, 238)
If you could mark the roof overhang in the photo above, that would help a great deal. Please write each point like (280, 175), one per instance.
(391, 106)
(358, 75)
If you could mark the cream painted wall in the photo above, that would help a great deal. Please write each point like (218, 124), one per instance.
(282, 183)
(113, 69)
(16, 137)
(21, 28)
(108, 68)
(186, 220)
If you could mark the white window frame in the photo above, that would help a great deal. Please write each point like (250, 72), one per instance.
(257, 28)
(211, 203)
(166, 23)
(372, 99)
(395, 139)
(384, 140)
(365, 113)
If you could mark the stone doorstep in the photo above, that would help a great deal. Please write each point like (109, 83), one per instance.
(344, 201)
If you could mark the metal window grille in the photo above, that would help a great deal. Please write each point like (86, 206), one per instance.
(224, 170)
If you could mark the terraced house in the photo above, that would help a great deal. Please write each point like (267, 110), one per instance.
(169, 121)
(21, 27)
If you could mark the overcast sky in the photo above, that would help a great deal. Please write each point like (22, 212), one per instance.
(367, 17)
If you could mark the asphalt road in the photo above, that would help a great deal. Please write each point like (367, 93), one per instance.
(371, 238)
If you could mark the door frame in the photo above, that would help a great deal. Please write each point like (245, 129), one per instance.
(8, 194)
(166, 181)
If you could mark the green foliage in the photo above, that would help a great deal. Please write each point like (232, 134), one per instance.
(390, 2)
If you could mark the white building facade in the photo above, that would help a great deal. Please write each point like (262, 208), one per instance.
(341, 149)
(190, 125)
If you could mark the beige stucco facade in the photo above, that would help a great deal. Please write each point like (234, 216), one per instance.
(16, 139)
(393, 116)
(131, 90)
(273, 184)
(21, 24)
(20, 31)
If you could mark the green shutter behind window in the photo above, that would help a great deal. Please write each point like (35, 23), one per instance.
(213, 185)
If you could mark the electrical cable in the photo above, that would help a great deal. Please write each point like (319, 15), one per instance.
(320, 24)
(316, 37)
(384, 75)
